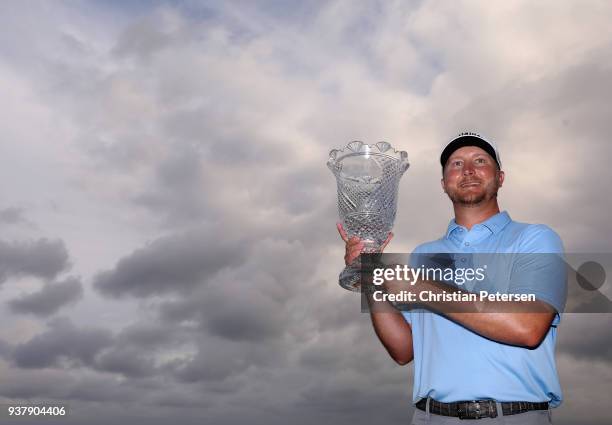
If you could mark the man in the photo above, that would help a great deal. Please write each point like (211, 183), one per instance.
(487, 359)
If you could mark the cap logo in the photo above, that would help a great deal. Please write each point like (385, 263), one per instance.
(469, 133)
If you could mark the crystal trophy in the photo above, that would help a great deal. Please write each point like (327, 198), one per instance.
(368, 180)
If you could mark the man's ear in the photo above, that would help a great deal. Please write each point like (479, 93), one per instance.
(500, 177)
(442, 184)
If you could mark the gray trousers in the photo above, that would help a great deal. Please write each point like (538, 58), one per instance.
(534, 417)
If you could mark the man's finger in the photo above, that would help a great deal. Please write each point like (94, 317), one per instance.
(354, 241)
(353, 249)
(386, 242)
(356, 249)
(351, 256)
(343, 234)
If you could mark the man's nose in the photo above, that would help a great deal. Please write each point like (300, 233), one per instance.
(468, 170)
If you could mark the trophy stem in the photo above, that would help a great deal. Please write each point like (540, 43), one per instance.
(350, 277)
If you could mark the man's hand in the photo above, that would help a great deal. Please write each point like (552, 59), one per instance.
(390, 327)
(354, 245)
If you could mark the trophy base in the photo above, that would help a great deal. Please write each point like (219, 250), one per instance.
(350, 277)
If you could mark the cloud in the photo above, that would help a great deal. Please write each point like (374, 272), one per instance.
(12, 215)
(244, 321)
(179, 187)
(214, 362)
(171, 264)
(583, 337)
(137, 350)
(253, 300)
(47, 383)
(150, 335)
(5, 349)
(61, 345)
(51, 298)
(42, 258)
(125, 361)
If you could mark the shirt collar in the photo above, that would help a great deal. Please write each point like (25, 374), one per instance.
(495, 223)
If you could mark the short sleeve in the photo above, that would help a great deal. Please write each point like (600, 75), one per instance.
(540, 268)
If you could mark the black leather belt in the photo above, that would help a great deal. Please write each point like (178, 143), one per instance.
(478, 409)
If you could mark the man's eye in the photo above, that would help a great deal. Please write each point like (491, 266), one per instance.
(480, 160)
(457, 163)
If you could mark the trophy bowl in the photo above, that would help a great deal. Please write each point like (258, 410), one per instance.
(368, 178)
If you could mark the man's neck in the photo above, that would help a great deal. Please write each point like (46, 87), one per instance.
(468, 216)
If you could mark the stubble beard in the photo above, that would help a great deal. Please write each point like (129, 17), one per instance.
(474, 199)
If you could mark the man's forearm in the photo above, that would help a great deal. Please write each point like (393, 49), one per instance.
(392, 330)
(510, 322)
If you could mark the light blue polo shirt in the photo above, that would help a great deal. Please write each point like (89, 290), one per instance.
(452, 363)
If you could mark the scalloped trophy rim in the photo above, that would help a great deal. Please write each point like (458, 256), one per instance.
(357, 147)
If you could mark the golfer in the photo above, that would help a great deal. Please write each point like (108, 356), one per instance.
(488, 360)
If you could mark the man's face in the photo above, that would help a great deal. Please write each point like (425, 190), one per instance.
(471, 176)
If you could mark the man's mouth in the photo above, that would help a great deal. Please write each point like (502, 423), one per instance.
(470, 183)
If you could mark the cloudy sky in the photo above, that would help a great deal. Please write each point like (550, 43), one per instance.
(167, 222)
